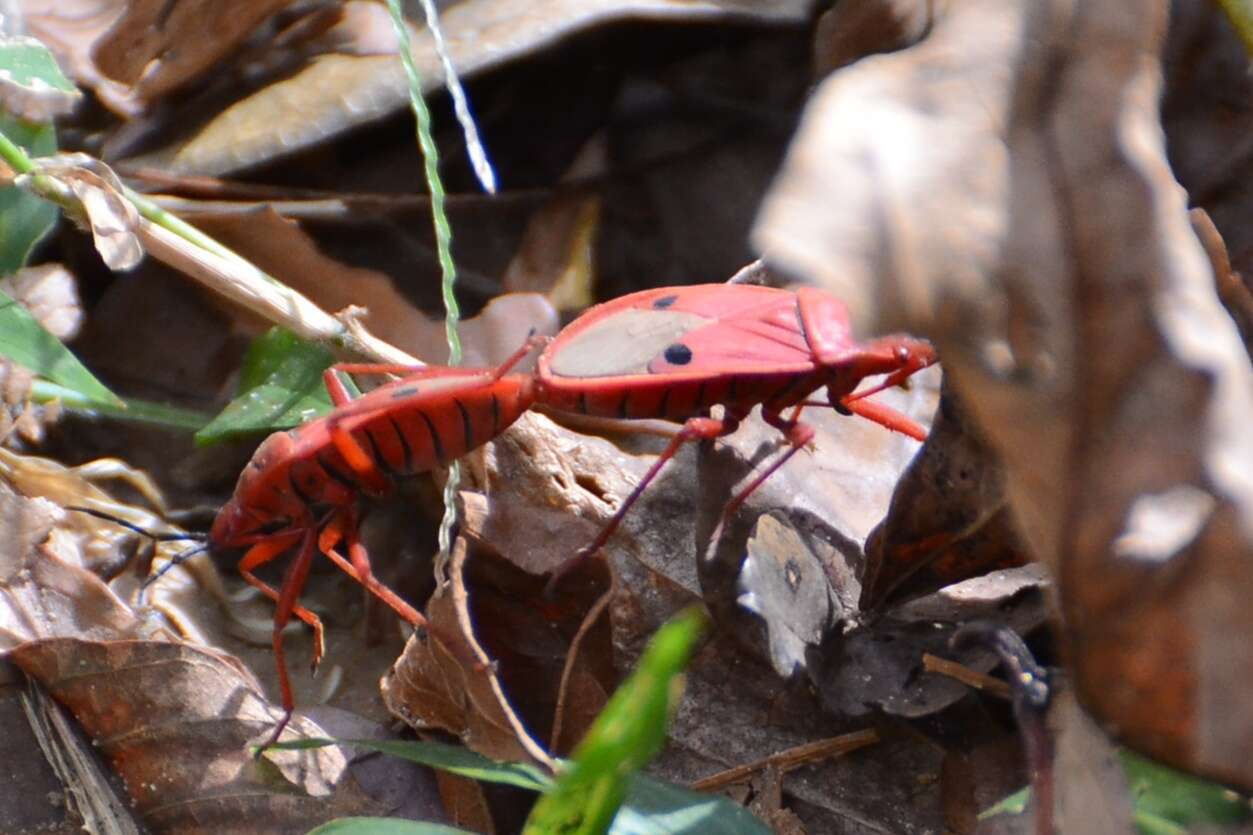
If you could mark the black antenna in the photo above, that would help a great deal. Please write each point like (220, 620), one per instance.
(177, 559)
(158, 537)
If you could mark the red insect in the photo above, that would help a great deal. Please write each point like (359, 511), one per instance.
(674, 352)
(300, 489)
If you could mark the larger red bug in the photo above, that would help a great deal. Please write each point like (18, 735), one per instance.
(674, 352)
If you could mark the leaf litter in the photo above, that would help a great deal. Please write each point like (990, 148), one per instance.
(829, 587)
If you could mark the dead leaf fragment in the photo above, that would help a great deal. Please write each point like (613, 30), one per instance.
(175, 721)
(157, 45)
(338, 92)
(50, 293)
(100, 207)
(70, 28)
(1025, 219)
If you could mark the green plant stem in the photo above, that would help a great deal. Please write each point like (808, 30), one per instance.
(443, 245)
(14, 156)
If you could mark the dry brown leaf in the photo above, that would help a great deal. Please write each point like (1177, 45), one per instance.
(338, 92)
(283, 249)
(101, 207)
(175, 722)
(157, 45)
(50, 293)
(70, 28)
(44, 590)
(949, 519)
(1024, 218)
(446, 680)
(557, 253)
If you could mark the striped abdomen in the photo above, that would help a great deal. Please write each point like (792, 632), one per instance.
(405, 427)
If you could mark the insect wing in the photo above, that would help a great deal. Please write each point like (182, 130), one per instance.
(700, 330)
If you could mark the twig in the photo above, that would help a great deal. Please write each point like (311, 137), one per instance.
(790, 759)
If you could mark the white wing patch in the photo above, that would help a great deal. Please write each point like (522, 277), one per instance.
(624, 343)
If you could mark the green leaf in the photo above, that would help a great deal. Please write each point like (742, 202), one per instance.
(129, 408)
(626, 735)
(32, 90)
(1166, 801)
(24, 341)
(384, 826)
(24, 218)
(280, 387)
(1166, 794)
(450, 758)
(653, 807)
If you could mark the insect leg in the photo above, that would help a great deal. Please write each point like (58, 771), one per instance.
(697, 428)
(343, 527)
(532, 342)
(885, 416)
(798, 436)
(286, 597)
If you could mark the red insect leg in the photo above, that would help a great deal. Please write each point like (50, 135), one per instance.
(885, 416)
(343, 527)
(798, 435)
(697, 428)
(285, 606)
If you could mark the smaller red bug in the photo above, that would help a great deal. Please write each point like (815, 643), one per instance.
(300, 489)
(673, 352)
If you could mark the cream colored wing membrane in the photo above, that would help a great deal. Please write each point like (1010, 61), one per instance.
(623, 343)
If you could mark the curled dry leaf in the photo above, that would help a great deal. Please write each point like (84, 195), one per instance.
(446, 680)
(338, 92)
(1025, 219)
(99, 205)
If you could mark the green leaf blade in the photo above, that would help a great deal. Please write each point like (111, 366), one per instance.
(280, 387)
(24, 341)
(385, 826)
(627, 734)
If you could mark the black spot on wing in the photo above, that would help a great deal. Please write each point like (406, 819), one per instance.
(665, 301)
(404, 392)
(678, 354)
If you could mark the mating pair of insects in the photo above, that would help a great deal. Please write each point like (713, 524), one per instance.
(668, 353)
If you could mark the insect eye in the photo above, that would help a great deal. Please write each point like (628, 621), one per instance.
(678, 354)
(664, 302)
(902, 353)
